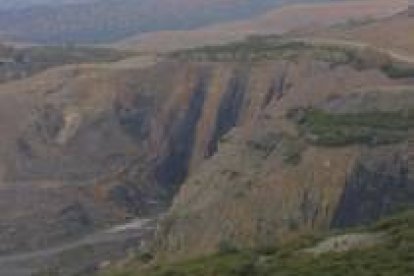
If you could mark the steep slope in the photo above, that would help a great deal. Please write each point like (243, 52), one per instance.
(383, 249)
(19, 63)
(395, 32)
(87, 139)
(289, 129)
(327, 148)
(88, 146)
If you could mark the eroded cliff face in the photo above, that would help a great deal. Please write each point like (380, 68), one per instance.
(86, 147)
(278, 173)
(379, 184)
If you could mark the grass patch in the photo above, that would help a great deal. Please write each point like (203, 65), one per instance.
(291, 150)
(252, 49)
(262, 48)
(28, 61)
(374, 128)
(258, 48)
(398, 70)
(393, 257)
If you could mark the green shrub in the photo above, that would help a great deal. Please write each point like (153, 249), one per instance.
(398, 70)
(374, 128)
(292, 151)
(395, 256)
(144, 257)
(252, 49)
(31, 60)
(227, 247)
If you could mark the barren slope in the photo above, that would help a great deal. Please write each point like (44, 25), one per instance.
(277, 137)
(273, 22)
(111, 20)
(327, 150)
(396, 33)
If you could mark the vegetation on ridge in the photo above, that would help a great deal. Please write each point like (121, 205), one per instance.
(264, 48)
(373, 128)
(19, 63)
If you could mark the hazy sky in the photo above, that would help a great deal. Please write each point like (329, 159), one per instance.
(7, 4)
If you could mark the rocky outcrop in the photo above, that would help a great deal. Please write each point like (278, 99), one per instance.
(109, 143)
(378, 186)
(114, 143)
(268, 181)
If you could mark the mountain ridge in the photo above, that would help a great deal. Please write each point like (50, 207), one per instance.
(277, 21)
(238, 145)
(104, 21)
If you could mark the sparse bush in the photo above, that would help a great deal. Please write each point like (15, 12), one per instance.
(252, 49)
(259, 48)
(373, 128)
(266, 143)
(227, 247)
(292, 151)
(266, 250)
(31, 60)
(144, 257)
(398, 70)
(392, 257)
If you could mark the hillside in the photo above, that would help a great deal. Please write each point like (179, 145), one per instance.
(111, 20)
(275, 21)
(87, 147)
(383, 249)
(302, 158)
(20, 63)
(322, 147)
(236, 146)
(395, 32)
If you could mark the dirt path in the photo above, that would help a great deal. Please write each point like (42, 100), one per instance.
(25, 264)
(358, 45)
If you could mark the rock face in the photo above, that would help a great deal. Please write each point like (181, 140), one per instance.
(269, 180)
(378, 185)
(85, 147)
(88, 147)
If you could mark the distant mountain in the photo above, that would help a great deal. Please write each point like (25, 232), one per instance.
(275, 21)
(111, 20)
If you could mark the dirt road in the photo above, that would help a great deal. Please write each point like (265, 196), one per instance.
(111, 243)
